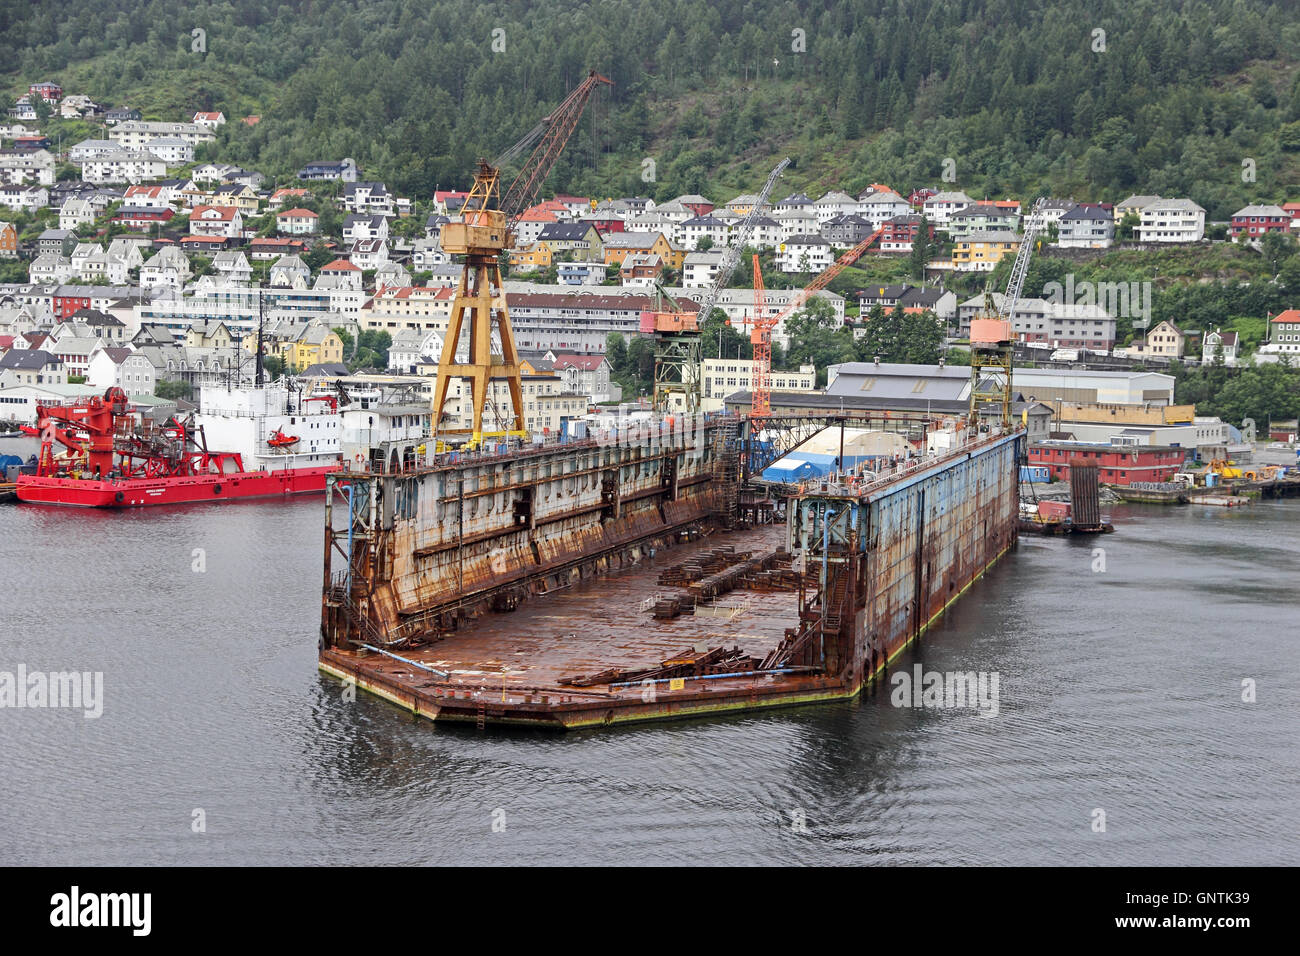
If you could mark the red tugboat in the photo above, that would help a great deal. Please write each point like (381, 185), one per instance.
(109, 462)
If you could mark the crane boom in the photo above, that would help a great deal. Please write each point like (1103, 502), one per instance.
(761, 338)
(1020, 268)
(827, 276)
(553, 132)
(731, 255)
(678, 356)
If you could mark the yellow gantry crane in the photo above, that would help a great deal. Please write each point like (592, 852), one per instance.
(485, 232)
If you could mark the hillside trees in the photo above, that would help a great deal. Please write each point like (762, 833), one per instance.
(415, 91)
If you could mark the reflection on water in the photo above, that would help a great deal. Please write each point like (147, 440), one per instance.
(1119, 690)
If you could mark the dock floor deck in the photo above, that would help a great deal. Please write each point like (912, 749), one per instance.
(516, 658)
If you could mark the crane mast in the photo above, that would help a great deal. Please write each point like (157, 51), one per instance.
(483, 234)
(992, 332)
(731, 255)
(761, 339)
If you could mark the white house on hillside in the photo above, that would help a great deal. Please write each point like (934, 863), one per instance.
(805, 254)
(1172, 220)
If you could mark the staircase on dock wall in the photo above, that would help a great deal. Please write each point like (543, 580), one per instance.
(726, 467)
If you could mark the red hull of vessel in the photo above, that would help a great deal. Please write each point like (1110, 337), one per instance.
(142, 492)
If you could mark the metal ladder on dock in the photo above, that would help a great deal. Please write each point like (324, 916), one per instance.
(367, 630)
(726, 465)
(833, 603)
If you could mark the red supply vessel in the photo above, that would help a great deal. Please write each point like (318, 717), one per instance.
(95, 455)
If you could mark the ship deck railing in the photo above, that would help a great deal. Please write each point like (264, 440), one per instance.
(856, 484)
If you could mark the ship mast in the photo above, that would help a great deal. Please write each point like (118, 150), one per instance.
(260, 311)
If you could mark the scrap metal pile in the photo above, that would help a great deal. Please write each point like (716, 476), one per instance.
(698, 661)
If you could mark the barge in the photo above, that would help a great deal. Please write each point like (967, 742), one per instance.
(608, 581)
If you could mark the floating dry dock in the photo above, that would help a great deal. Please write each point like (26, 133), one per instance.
(602, 582)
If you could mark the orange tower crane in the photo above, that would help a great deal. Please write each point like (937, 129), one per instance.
(485, 232)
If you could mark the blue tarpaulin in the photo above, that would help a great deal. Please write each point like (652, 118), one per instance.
(792, 470)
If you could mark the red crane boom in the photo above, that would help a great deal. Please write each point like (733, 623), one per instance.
(826, 277)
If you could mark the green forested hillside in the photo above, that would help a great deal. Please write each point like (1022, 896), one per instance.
(1094, 99)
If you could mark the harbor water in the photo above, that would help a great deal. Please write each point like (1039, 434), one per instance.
(1121, 663)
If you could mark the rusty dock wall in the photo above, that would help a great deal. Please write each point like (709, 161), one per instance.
(414, 553)
(887, 558)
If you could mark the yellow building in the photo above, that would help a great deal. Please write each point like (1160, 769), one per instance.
(1166, 339)
(723, 377)
(547, 404)
(741, 205)
(244, 198)
(424, 308)
(982, 251)
(620, 245)
(315, 345)
(536, 256)
(209, 335)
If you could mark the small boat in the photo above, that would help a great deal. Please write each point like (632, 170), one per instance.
(280, 440)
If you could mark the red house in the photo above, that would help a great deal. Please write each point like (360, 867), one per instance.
(919, 196)
(696, 204)
(1284, 431)
(604, 226)
(50, 92)
(69, 299)
(1292, 209)
(1253, 221)
(1117, 464)
(901, 231)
